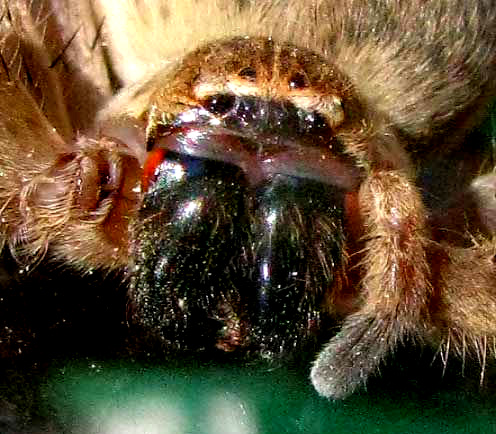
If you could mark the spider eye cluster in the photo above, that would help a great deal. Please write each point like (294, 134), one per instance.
(298, 81)
(248, 73)
(267, 116)
(220, 104)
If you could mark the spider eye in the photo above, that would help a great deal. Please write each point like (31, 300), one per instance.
(248, 73)
(298, 81)
(318, 124)
(219, 104)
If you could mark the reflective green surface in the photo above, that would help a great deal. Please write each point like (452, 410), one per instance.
(115, 397)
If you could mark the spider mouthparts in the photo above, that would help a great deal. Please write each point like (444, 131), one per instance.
(257, 259)
(241, 223)
(262, 157)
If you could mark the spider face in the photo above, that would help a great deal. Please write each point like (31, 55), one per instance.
(240, 240)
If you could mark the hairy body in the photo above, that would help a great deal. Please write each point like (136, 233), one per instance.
(356, 96)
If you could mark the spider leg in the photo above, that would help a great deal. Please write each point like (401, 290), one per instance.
(80, 206)
(464, 309)
(396, 287)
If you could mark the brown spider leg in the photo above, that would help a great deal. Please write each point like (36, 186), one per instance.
(81, 205)
(72, 197)
(464, 310)
(396, 286)
(464, 314)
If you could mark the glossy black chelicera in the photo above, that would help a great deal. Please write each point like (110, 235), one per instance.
(223, 261)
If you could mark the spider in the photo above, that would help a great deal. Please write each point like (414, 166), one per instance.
(261, 169)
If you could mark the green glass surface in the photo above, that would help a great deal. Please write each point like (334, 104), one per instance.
(411, 396)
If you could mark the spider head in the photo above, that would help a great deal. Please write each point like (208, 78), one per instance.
(240, 241)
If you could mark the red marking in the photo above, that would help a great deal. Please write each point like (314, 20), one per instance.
(154, 159)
